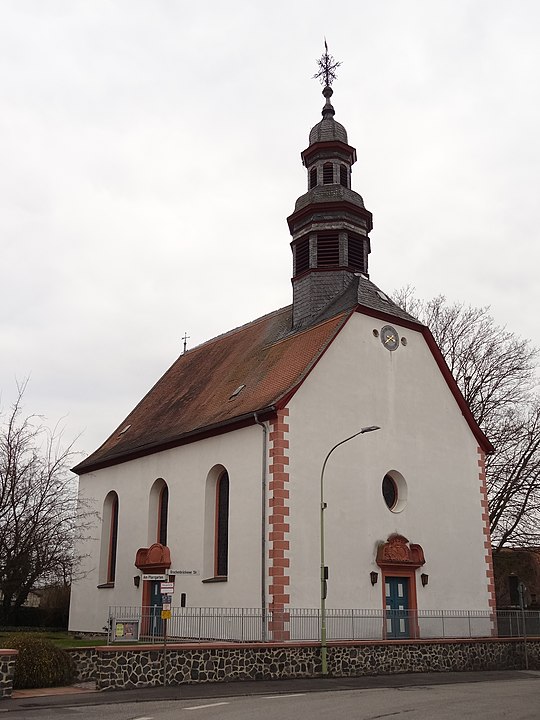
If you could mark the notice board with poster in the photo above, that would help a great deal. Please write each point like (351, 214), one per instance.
(125, 630)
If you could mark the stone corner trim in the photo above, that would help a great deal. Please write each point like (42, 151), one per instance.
(490, 577)
(278, 526)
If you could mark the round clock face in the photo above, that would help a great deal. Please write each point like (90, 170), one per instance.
(389, 337)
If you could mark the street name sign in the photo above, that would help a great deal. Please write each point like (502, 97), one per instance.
(154, 576)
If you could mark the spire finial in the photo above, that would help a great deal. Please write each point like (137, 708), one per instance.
(327, 67)
(185, 339)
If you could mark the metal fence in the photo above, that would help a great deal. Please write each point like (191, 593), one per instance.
(200, 624)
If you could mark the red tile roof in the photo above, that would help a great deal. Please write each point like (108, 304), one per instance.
(194, 396)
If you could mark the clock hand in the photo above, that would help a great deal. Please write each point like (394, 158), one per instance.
(390, 338)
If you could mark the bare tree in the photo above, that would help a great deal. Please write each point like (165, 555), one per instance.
(39, 515)
(513, 478)
(497, 373)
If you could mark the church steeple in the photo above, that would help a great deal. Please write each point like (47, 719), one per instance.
(329, 225)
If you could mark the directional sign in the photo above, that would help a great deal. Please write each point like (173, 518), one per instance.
(154, 576)
(183, 572)
(166, 588)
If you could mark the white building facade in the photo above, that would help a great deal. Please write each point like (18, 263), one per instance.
(214, 479)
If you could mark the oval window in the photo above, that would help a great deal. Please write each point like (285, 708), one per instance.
(389, 491)
(394, 491)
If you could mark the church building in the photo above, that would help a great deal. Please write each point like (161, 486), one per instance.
(215, 480)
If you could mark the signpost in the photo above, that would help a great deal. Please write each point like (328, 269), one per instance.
(167, 589)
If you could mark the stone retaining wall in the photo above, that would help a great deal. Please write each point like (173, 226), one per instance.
(85, 662)
(7, 671)
(136, 666)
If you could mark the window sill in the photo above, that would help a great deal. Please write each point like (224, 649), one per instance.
(105, 585)
(217, 578)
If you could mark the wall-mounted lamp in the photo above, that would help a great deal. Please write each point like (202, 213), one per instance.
(373, 576)
(424, 577)
(137, 580)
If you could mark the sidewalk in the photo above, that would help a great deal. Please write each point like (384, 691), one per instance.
(76, 689)
(84, 694)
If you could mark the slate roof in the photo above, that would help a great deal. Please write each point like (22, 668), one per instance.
(327, 130)
(361, 291)
(327, 194)
(194, 398)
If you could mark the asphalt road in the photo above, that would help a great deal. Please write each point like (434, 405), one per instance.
(489, 696)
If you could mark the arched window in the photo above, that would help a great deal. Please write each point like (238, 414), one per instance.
(111, 571)
(216, 525)
(163, 515)
(222, 526)
(312, 177)
(328, 174)
(158, 512)
(343, 176)
(109, 539)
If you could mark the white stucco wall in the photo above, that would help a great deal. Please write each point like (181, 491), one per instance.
(423, 435)
(185, 470)
(356, 383)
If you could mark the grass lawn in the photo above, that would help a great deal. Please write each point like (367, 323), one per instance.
(62, 639)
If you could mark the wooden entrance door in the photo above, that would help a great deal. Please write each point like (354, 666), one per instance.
(156, 606)
(397, 608)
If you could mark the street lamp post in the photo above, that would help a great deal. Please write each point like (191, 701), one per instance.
(324, 573)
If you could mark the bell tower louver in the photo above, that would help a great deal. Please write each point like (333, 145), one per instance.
(330, 225)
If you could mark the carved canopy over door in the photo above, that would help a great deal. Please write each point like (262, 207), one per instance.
(155, 559)
(397, 551)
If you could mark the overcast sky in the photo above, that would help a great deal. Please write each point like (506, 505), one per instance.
(150, 154)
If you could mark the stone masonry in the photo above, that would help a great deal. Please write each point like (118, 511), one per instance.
(7, 671)
(132, 667)
(85, 663)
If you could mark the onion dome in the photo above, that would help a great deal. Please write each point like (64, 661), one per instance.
(328, 129)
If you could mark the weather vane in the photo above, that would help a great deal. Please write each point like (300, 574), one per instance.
(327, 67)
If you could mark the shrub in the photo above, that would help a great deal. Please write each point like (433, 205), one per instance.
(37, 617)
(39, 662)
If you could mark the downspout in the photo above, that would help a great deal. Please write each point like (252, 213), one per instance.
(263, 524)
